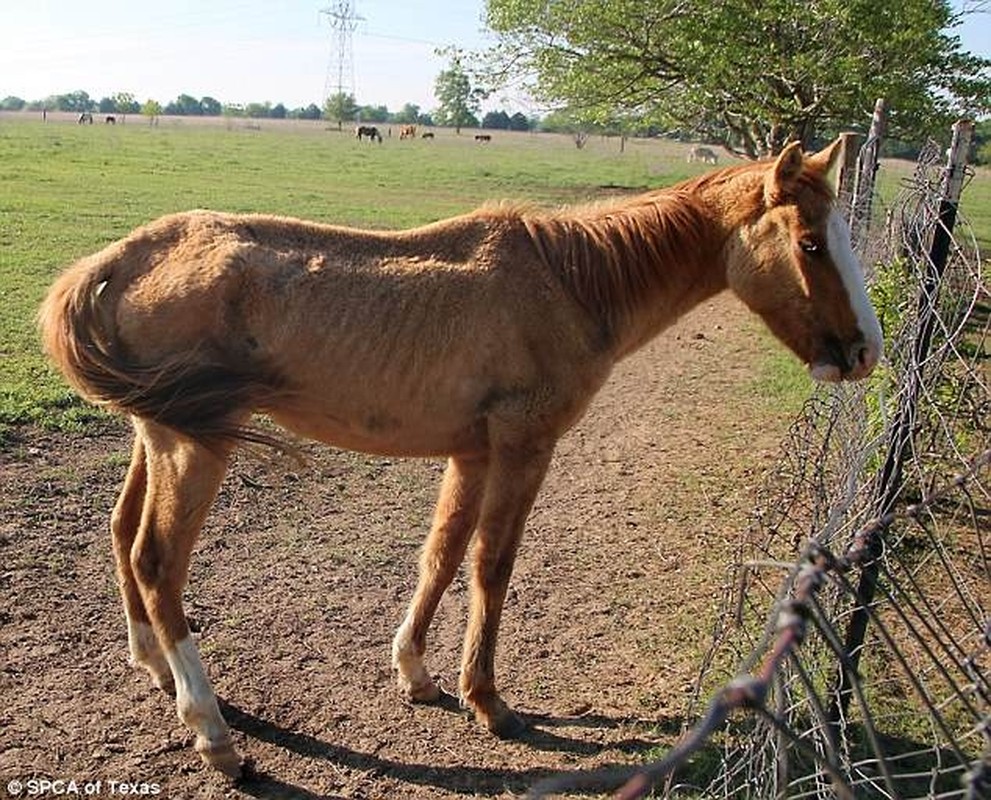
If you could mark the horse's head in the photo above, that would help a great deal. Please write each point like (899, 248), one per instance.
(794, 265)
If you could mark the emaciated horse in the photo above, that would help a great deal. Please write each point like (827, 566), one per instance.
(482, 338)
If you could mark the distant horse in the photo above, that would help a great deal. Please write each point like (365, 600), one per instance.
(407, 132)
(703, 154)
(111, 120)
(483, 137)
(85, 119)
(369, 132)
(483, 337)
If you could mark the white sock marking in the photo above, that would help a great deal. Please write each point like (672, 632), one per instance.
(195, 700)
(146, 652)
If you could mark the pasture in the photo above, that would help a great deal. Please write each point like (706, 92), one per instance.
(303, 571)
(69, 189)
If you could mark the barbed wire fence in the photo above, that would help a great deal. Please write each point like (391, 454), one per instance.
(853, 655)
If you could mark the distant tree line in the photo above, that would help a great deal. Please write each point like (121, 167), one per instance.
(341, 108)
(501, 121)
(183, 105)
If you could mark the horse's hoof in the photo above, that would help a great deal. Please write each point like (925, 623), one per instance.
(423, 692)
(166, 684)
(161, 676)
(222, 757)
(504, 723)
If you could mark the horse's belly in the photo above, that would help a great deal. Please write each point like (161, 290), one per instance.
(379, 433)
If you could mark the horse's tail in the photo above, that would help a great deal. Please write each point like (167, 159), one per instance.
(197, 394)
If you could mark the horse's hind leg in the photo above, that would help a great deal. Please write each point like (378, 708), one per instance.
(443, 552)
(145, 650)
(182, 481)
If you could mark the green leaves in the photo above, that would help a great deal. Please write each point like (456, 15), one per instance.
(750, 75)
(459, 100)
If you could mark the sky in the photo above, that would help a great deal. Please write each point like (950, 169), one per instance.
(242, 51)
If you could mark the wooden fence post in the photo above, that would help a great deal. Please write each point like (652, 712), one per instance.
(867, 163)
(850, 150)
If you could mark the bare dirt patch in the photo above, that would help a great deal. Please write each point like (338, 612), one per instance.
(302, 576)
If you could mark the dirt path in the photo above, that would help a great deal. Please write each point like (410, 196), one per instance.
(302, 576)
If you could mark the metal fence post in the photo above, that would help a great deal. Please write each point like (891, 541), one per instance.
(888, 484)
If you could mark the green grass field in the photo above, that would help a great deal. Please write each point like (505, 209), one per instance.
(67, 190)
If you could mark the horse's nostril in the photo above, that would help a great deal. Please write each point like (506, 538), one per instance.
(863, 357)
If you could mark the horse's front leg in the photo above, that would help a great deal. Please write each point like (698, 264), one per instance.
(443, 552)
(515, 474)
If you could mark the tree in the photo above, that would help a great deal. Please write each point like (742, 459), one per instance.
(982, 143)
(459, 101)
(124, 103)
(185, 105)
(151, 109)
(340, 107)
(258, 110)
(77, 102)
(498, 120)
(408, 115)
(210, 107)
(11, 103)
(519, 122)
(373, 114)
(750, 75)
(312, 111)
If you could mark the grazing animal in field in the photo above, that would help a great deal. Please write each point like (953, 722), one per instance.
(482, 338)
(427, 135)
(85, 119)
(368, 132)
(110, 120)
(483, 137)
(704, 154)
(407, 132)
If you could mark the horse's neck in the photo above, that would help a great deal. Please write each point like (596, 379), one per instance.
(637, 268)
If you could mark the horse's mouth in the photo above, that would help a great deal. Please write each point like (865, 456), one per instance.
(825, 372)
(837, 367)
(851, 361)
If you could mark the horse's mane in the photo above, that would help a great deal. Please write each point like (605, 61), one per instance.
(615, 254)
(612, 257)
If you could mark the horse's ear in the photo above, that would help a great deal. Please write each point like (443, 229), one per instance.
(827, 159)
(783, 174)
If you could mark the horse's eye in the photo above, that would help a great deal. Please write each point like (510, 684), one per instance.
(809, 246)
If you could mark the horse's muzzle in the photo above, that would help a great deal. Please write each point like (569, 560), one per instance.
(847, 363)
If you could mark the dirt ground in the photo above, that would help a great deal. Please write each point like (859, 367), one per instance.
(302, 576)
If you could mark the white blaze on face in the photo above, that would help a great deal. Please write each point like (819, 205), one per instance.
(852, 275)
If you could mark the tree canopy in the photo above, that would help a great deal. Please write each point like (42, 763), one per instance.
(459, 100)
(750, 75)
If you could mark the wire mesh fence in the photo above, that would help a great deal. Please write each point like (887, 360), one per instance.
(853, 655)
